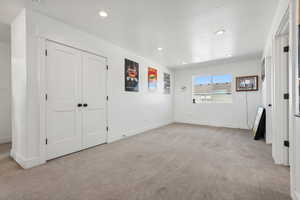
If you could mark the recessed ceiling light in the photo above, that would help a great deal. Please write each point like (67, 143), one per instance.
(184, 63)
(160, 49)
(220, 32)
(229, 55)
(103, 14)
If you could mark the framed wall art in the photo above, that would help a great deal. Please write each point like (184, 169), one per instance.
(247, 83)
(131, 76)
(263, 70)
(167, 83)
(152, 79)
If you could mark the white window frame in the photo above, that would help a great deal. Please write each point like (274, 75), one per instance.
(212, 102)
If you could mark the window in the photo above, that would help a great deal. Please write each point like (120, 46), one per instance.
(212, 89)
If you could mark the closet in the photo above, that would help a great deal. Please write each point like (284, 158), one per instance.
(76, 103)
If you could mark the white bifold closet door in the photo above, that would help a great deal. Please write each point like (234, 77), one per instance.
(94, 99)
(76, 100)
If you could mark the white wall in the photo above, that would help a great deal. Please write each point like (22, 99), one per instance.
(18, 86)
(280, 12)
(5, 93)
(224, 115)
(128, 113)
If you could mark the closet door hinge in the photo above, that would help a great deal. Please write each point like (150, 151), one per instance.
(106, 98)
(286, 96)
(286, 49)
(107, 128)
(46, 52)
(46, 140)
(46, 97)
(106, 67)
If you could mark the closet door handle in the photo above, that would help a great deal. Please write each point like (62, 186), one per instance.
(79, 105)
(85, 105)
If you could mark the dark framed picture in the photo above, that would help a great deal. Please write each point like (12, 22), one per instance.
(131, 76)
(246, 83)
(263, 70)
(167, 83)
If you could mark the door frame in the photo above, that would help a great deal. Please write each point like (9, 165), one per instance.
(269, 98)
(290, 10)
(42, 46)
(279, 151)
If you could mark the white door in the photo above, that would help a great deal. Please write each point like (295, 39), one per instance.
(94, 100)
(63, 119)
(280, 107)
(76, 100)
(268, 82)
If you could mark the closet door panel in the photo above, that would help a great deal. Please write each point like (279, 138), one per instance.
(94, 98)
(63, 88)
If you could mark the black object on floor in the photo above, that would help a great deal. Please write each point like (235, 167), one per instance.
(259, 128)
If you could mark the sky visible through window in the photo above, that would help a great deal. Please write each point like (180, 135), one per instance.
(204, 80)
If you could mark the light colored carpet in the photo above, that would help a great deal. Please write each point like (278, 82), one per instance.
(6, 164)
(176, 162)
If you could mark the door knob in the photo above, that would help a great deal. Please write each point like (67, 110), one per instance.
(85, 105)
(270, 105)
(79, 105)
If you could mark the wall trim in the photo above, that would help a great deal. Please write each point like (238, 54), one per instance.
(27, 163)
(12, 154)
(5, 140)
(139, 131)
(211, 125)
(296, 195)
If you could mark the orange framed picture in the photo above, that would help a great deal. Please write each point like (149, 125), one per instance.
(152, 79)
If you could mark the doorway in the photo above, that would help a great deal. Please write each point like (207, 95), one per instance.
(75, 100)
(5, 96)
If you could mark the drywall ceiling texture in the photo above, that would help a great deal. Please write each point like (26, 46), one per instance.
(128, 113)
(233, 115)
(5, 93)
(184, 29)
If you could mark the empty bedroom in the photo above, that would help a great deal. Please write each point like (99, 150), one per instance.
(149, 100)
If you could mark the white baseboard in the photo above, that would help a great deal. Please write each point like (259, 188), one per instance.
(12, 154)
(142, 130)
(210, 124)
(138, 131)
(296, 196)
(5, 140)
(26, 163)
(268, 142)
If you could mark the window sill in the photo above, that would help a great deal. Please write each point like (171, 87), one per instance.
(213, 103)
